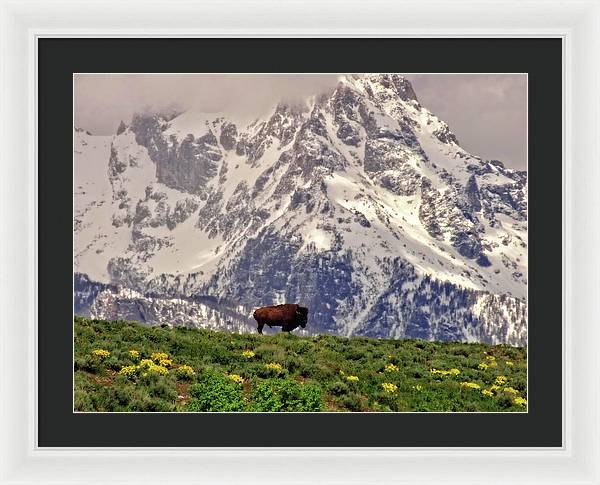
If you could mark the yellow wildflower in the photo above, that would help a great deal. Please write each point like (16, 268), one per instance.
(128, 370)
(483, 366)
(100, 353)
(185, 371)
(274, 367)
(451, 372)
(490, 357)
(158, 369)
(389, 387)
(487, 392)
(248, 354)
(520, 401)
(159, 356)
(391, 368)
(146, 363)
(501, 380)
(510, 390)
(418, 387)
(236, 378)
(165, 362)
(352, 378)
(134, 353)
(494, 388)
(470, 385)
(509, 363)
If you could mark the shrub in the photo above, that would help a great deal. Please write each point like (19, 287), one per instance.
(302, 346)
(292, 363)
(352, 402)
(505, 400)
(163, 389)
(311, 398)
(321, 372)
(286, 395)
(215, 392)
(265, 398)
(519, 382)
(85, 363)
(112, 362)
(220, 355)
(337, 388)
(147, 403)
(83, 401)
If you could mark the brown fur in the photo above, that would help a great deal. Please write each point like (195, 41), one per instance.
(288, 317)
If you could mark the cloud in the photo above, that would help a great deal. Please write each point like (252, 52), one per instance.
(101, 101)
(486, 112)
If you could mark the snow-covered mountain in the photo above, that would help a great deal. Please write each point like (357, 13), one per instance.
(359, 204)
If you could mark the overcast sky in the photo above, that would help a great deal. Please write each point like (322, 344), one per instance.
(488, 113)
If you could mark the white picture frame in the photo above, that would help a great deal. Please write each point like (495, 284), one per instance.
(576, 22)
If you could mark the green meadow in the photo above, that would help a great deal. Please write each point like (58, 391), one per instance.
(124, 366)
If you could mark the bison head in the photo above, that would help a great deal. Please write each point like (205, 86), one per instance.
(302, 316)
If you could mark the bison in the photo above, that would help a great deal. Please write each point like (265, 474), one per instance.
(288, 317)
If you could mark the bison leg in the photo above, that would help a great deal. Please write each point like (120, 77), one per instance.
(260, 327)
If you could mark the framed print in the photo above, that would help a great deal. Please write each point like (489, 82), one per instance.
(400, 267)
(315, 252)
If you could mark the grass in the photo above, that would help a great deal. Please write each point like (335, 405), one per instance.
(115, 370)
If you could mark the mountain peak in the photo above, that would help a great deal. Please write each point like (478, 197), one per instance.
(122, 127)
(378, 83)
